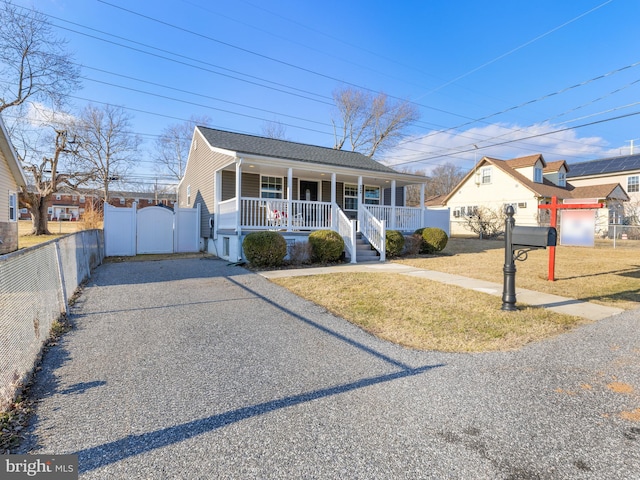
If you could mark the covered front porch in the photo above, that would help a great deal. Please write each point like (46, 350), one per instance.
(251, 196)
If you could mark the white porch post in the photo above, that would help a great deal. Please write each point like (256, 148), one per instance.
(238, 194)
(218, 198)
(422, 207)
(393, 204)
(334, 202)
(360, 199)
(289, 197)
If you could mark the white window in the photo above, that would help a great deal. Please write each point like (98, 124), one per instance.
(58, 197)
(121, 200)
(81, 198)
(188, 195)
(50, 210)
(372, 195)
(562, 179)
(350, 197)
(632, 184)
(271, 187)
(13, 207)
(537, 175)
(514, 205)
(486, 175)
(74, 197)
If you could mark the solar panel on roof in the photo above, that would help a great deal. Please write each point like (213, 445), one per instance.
(605, 165)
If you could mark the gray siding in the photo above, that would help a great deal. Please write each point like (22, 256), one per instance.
(200, 175)
(399, 197)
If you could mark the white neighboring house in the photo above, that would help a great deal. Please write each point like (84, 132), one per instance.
(12, 178)
(524, 183)
(624, 170)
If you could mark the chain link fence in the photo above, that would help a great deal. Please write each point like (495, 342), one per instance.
(35, 285)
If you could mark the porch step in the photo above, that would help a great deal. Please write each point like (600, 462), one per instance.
(364, 252)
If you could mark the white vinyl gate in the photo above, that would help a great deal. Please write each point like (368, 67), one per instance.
(129, 231)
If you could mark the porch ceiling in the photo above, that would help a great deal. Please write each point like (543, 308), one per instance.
(368, 178)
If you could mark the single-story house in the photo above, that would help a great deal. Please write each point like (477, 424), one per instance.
(12, 178)
(525, 183)
(246, 183)
(624, 170)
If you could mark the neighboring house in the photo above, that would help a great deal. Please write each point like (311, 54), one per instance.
(12, 178)
(524, 183)
(68, 204)
(624, 170)
(247, 183)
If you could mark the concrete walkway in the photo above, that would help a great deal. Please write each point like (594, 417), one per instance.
(569, 306)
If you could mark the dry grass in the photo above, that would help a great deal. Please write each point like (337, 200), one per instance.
(57, 229)
(601, 275)
(427, 315)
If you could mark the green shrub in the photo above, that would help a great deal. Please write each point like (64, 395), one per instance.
(394, 243)
(435, 239)
(326, 246)
(264, 249)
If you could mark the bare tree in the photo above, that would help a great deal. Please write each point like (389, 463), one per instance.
(172, 147)
(107, 146)
(443, 179)
(47, 180)
(485, 222)
(412, 192)
(275, 130)
(368, 122)
(34, 62)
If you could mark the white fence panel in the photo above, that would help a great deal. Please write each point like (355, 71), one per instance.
(154, 230)
(119, 231)
(438, 218)
(159, 230)
(187, 230)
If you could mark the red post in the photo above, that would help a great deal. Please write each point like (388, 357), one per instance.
(554, 206)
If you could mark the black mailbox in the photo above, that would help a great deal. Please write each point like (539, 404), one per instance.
(536, 237)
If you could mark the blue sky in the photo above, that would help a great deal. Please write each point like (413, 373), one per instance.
(499, 75)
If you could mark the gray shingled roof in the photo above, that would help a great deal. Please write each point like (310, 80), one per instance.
(270, 147)
(604, 165)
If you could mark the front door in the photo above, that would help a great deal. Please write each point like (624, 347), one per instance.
(308, 191)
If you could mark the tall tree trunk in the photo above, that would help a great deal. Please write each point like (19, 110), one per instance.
(39, 219)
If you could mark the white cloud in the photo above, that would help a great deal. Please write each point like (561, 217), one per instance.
(503, 141)
(39, 115)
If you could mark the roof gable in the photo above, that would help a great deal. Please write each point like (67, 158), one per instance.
(283, 149)
(528, 161)
(553, 167)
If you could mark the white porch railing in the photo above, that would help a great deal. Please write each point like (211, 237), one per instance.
(405, 219)
(374, 231)
(347, 230)
(260, 213)
(226, 218)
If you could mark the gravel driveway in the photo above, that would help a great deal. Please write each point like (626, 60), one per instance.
(191, 368)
